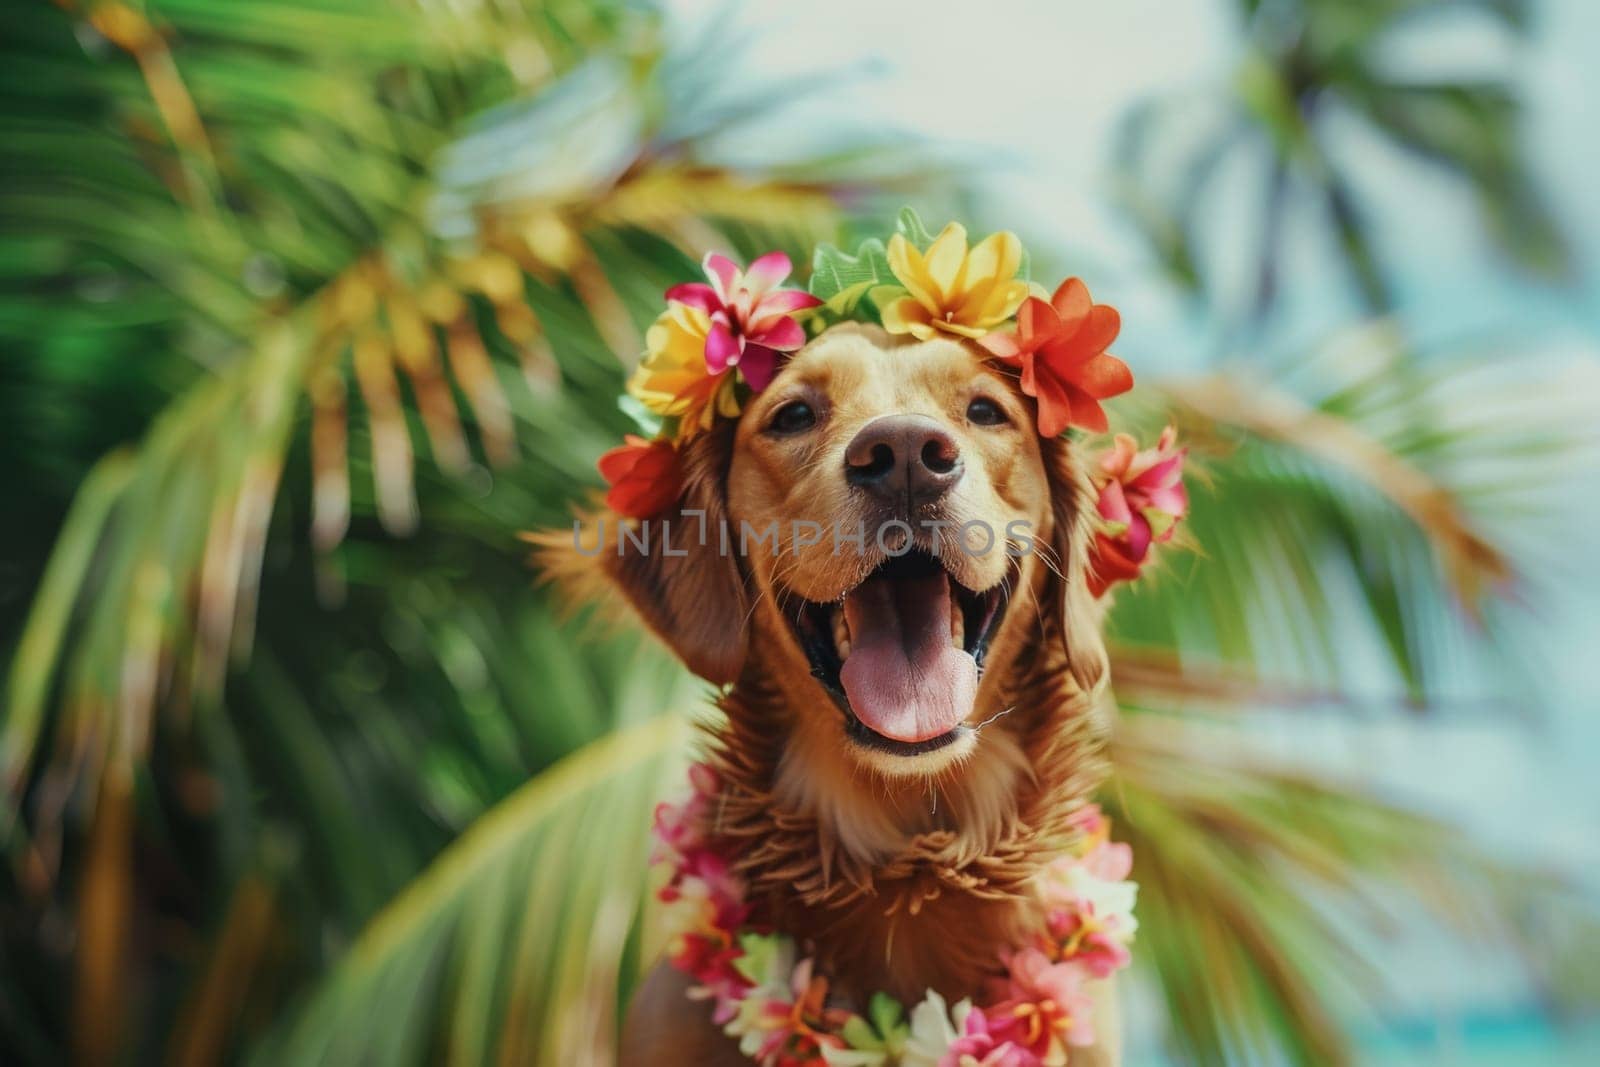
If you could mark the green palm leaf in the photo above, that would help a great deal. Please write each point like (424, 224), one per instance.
(410, 332)
(253, 224)
(1415, 489)
(507, 948)
(1308, 66)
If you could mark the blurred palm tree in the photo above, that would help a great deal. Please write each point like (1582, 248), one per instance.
(1314, 75)
(311, 305)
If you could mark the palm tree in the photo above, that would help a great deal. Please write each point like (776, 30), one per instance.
(310, 308)
(1310, 72)
(293, 250)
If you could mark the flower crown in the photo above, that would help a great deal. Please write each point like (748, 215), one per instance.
(723, 340)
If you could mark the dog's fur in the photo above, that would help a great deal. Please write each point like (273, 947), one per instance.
(899, 873)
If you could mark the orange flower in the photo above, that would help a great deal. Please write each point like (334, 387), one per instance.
(1061, 348)
(644, 477)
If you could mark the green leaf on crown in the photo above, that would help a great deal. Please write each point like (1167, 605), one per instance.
(849, 285)
(909, 224)
(840, 280)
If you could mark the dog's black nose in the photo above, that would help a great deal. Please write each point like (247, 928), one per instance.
(903, 457)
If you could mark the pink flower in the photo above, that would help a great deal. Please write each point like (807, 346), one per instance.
(751, 318)
(1092, 823)
(978, 1047)
(678, 832)
(1142, 499)
(1089, 902)
(705, 906)
(1109, 861)
(1078, 935)
(703, 780)
(708, 875)
(1102, 857)
(680, 828)
(1044, 1009)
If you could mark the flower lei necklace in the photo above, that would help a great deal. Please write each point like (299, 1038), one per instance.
(724, 339)
(1035, 1010)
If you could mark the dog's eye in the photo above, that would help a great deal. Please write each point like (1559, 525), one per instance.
(985, 412)
(793, 417)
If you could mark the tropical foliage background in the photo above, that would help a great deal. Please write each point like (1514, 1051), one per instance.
(308, 307)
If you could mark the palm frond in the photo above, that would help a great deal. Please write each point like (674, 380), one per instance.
(1310, 66)
(1361, 486)
(186, 521)
(509, 947)
(279, 217)
(518, 267)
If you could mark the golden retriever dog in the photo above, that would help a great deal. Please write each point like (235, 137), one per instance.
(910, 718)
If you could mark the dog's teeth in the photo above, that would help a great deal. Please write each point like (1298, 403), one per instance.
(958, 625)
(841, 635)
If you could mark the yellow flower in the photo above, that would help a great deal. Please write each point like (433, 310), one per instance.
(952, 290)
(674, 380)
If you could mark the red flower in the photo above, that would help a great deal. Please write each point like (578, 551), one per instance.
(1061, 348)
(644, 477)
(1142, 499)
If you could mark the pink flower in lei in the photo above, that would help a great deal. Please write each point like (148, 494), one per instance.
(978, 1047)
(705, 905)
(1093, 826)
(704, 901)
(751, 318)
(680, 828)
(1089, 919)
(1043, 1007)
(1079, 935)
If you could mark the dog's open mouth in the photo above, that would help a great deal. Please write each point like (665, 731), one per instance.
(901, 653)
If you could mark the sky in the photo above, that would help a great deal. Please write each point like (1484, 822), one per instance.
(1033, 90)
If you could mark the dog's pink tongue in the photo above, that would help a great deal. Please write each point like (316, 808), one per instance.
(903, 677)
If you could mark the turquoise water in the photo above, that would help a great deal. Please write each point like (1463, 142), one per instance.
(1519, 1041)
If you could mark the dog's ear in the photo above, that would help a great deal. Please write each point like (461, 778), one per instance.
(1072, 504)
(673, 569)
